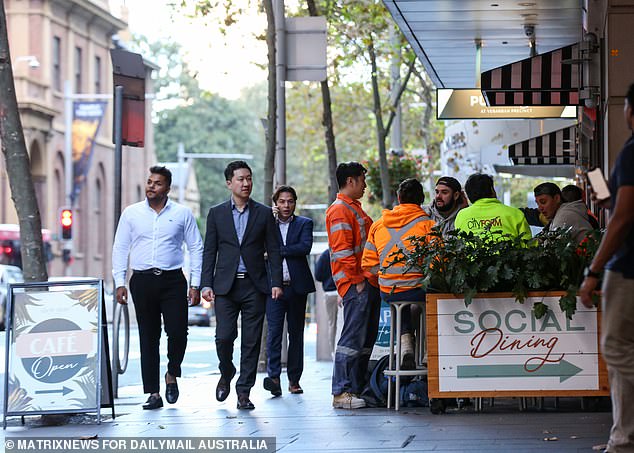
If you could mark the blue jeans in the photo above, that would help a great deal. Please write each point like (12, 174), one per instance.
(293, 306)
(361, 313)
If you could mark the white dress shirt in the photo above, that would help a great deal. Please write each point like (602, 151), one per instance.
(286, 276)
(155, 240)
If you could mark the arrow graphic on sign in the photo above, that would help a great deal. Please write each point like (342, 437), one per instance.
(563, 370)
(63, 391)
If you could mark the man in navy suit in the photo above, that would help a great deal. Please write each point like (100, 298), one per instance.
(296, 240)
(234, 277)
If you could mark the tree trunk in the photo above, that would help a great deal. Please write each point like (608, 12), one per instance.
(271, 134)
(327, 123)
(18, 166)
(381, 133)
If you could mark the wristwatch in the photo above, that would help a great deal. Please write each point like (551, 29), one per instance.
(590, 273)
(197, 288)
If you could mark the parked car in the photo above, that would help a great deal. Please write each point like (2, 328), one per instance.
(200, 315)
(8, 274)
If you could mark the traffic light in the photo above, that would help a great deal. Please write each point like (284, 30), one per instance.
(66, 222)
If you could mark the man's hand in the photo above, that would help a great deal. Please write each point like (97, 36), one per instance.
(587, 289)
(339, 300)
(276, 292)
(193, 297)
(208, 295)
(122, 295)
(360, 287)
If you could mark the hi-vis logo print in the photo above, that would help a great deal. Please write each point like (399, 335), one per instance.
(54, 350)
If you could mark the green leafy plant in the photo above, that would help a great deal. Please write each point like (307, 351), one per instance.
(400, 168)
(466, 264)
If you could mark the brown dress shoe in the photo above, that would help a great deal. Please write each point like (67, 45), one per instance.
(294, 388)
(273, 386)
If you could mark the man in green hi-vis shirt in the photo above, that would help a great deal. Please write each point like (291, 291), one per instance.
(487, 212)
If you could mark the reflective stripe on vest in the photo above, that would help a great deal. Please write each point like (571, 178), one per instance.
(397, 235)
(359, 220)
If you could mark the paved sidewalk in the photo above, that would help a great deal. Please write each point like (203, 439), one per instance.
(308, 423)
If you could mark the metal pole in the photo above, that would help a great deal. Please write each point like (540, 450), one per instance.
(118, 145)
(280, 45)
(181, 173)
(68, 143)
(68, 164)
(478, 60)
(396, 133)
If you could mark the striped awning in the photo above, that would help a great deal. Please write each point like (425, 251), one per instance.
(552, 78)
(556, 148)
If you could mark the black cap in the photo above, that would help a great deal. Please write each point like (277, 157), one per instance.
(450, 182)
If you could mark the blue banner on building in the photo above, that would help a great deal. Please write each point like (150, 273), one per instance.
(87, 116)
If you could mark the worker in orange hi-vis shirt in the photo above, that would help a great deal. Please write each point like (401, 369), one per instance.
(388, 236)
(348, 225)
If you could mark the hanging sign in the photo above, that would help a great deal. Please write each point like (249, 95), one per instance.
(458, 104)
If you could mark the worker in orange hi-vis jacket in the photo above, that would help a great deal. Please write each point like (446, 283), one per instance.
(348, 225)
(388, 236)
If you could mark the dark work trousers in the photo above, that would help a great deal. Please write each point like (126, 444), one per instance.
(293, 306)
(244, 299)
(153, 296)
(361, 313)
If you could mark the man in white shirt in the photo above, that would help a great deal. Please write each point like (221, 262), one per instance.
(151, 234)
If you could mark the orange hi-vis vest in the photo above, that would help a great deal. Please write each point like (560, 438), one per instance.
(387, 236)
(347, 226)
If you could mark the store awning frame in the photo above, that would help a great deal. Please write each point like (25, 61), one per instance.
(555, 148)
(551, 78)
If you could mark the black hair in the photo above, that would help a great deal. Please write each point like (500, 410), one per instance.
(346, 170)
(163, 171)
(571, 193)
(281, 189)
(479, 185)
(547, 188)
(233, 166)
(630, 95)
(410, 191)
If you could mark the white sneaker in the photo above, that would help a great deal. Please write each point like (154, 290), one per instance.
(347, 400)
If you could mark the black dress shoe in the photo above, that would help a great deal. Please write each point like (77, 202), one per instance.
(244, 403)
(171, 392)
(153, 402)
(223, 389)
(273, 386)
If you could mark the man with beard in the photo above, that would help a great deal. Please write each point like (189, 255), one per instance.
(448, 201)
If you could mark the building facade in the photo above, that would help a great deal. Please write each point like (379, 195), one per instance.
(54, 44)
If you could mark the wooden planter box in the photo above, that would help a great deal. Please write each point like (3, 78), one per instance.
(496, 348)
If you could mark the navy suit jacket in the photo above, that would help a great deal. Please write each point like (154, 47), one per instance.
(222, 250)
(299, 241)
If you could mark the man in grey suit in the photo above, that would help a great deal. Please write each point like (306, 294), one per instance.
(234, 277)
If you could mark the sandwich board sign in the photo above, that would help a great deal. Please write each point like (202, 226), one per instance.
(497, 347)
(54, 348)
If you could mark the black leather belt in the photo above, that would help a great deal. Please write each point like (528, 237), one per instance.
(156, 271)
(286, 283)
(241, 275)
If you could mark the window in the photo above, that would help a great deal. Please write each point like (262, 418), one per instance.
(78, 58)
(97, 75)
(57, 59)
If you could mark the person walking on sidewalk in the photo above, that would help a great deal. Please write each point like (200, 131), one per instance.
(296, 237)
(388, 235)
(347, 226)
(616, 256)
(151, 234)
(234, 277)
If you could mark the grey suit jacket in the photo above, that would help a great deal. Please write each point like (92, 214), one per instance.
(222, 250)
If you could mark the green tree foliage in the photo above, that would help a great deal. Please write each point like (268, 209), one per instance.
(202, 121)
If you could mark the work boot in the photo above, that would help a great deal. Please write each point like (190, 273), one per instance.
(347, 400)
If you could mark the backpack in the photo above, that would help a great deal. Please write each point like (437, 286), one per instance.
(413, 391)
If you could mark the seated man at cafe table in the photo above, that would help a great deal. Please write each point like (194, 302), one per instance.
(388, 235)
(487, 213)
(572, 215)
